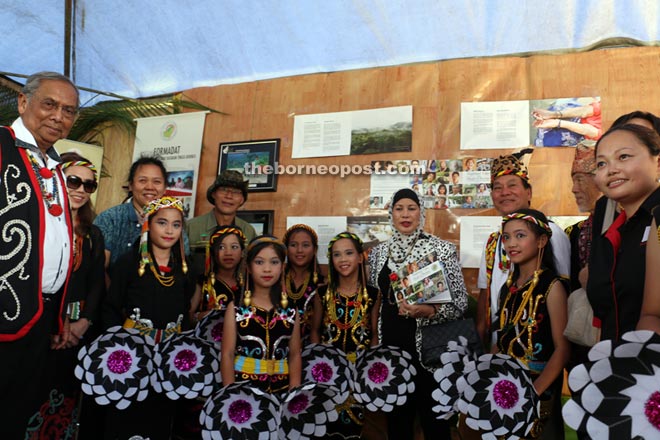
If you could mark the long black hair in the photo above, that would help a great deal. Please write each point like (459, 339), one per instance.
(528, 216)
(333, 275)
(257, 244)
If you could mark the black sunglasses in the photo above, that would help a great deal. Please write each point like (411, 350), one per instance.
(74, 182)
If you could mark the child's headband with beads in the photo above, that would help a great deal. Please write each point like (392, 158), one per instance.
(299, 226)
(164, 202)
(528, 218)
(266, 239)
(228, 230)
(338, 237)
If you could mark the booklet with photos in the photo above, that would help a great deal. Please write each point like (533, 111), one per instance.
(421, 282)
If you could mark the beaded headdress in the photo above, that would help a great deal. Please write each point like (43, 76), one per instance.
(528, 218)
(510, 164)
(80, 163)
(294, 228)
(315, 242)
(150, 209)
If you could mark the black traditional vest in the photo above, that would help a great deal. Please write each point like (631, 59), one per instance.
(22, 228)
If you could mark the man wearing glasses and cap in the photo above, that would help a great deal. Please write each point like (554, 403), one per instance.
(36, 245)
(227, 194)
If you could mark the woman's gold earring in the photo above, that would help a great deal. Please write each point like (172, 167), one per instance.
(285, 300)
(247, 300)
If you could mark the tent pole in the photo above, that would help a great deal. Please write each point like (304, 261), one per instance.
(67, 37)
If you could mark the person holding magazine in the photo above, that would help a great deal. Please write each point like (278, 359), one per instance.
(399, 322)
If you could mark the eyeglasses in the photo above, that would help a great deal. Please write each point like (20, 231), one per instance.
(230, 191)
(49, 105)
(74, 182)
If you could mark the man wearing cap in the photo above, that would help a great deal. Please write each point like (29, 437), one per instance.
(586, 194)
(228, 193)
(510, 192)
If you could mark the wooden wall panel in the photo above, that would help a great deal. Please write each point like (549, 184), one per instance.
(117, 154)
(626, 79)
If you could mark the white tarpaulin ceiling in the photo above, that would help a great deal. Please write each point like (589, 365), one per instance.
(140, 48)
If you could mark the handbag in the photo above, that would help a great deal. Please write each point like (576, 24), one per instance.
(436, 337)
(579, 326)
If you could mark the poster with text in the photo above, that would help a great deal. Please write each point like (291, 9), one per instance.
(475, 230)
(503, 124)
(177, 140)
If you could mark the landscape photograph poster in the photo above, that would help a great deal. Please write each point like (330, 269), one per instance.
(376, 131)
(177, 141)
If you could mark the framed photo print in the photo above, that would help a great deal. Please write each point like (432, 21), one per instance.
(256, 160)
(261, 221)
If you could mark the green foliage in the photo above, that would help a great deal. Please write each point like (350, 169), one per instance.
(93, 120)
(8, 105)
(391, 140)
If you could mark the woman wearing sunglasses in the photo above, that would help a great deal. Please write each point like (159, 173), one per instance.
(86, 285)
(86, 289)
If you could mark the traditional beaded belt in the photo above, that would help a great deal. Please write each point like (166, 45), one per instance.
(156, 333)
(250, 365)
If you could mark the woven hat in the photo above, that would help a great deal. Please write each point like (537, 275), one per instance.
(585, 158)
(228, 179)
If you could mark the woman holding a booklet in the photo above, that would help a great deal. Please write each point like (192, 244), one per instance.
(401, 319)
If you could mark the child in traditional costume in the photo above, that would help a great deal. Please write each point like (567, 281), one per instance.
(261, 335)
(217, 287)
(222, 278)
(301, 275)
(150, 291)
(346, 316)
(533, 313)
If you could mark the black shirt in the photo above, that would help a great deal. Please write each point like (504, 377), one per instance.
(160, 304)
(616, 282)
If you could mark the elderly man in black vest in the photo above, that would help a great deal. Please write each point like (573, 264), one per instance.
(35, 244)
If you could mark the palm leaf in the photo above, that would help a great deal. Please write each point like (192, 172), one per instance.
(8, 105)
(92, 121)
